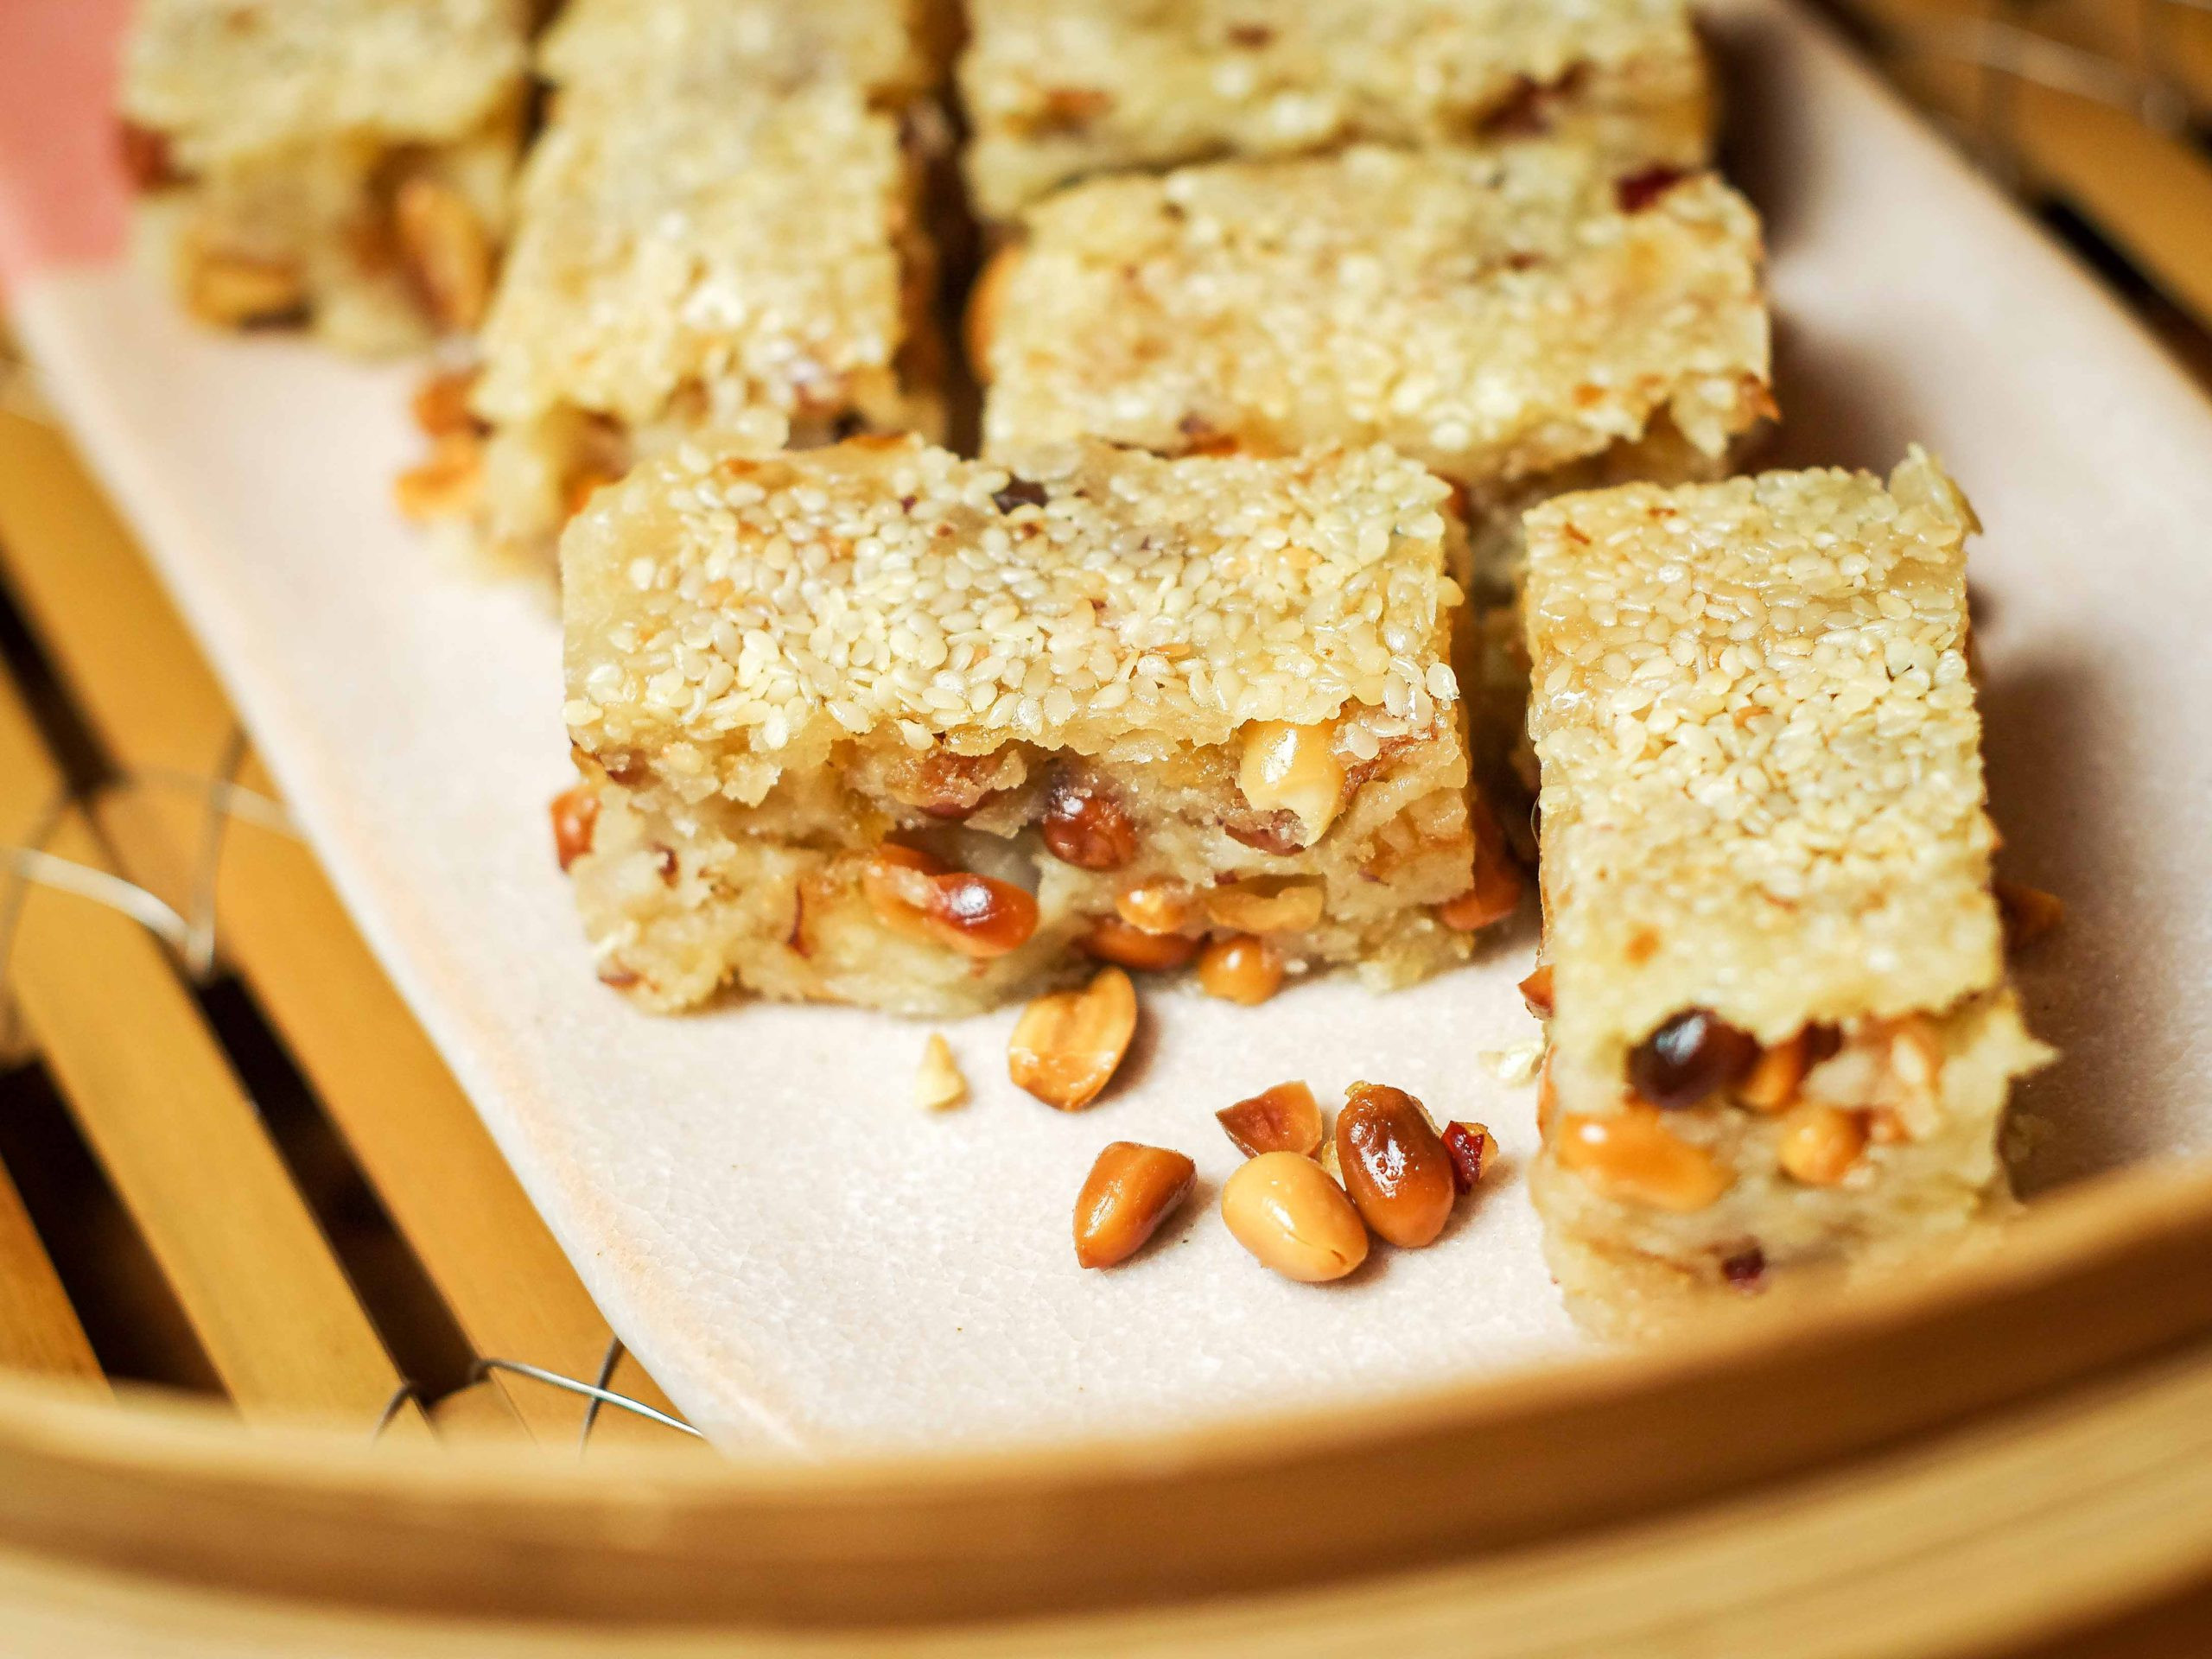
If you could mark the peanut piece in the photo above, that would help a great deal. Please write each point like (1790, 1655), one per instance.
(1129, 1191)
(1285, 1118)
(1066, 1047)
(1111, 939)
(576, 814)
(1294, 769)
(1240, 969)
(1161, 908)
(447, 485)
(1776, 1076)
(1632, 1157)
(1266, 904)
(448, 250)
(1394, 1165)
(1819, 1145)
(1472, 1147)
(235, 292)
(938, 1085)
(1285, 1211)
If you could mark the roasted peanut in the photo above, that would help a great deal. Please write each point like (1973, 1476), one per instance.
(1066, 1046)
(1633, 1157)
(1285, 1118)
(1240, 969)
(978, 916)
(1773, 1081)
(1394, 1165)
(1494, 896)
(1285, 1211)
(1917, 1057)
(448, 250)
(1292, 769)
(1161, 908)
(1472, 1147)
(1111, 939)
(1266, 904)
(1819, 1145)
(1084, 825)
(440, 405)
(1129, 1191)
(576, 814)
(1688, 1058)
(232, 291)
(447, 485)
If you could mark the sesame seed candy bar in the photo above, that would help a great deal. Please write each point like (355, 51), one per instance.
(1061, 89)
(1497, 314)
(343, 162)
(1781, 1027)
(695, 252)
(893, 50)
(820, 695)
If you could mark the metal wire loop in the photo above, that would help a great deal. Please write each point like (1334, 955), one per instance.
(597, 1392)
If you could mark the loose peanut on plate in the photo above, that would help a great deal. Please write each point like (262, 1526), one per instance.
(1111, 939)
(1066, 1047)
(938, 1085)
(1394, 1165)
(1240, 969)
(1285, 1211)
(1632, 1156)
(1285, 1118)
(1819, 1145)
(1129, 1191)
(576, 814)
(1472, 1147)
(1286, 768)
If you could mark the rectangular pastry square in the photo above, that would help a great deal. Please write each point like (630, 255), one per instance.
(695, 253)
(1498, 313)
(894, 51)
(344, 163)
(1058, 90)
(1781, 1028)
(874, 723)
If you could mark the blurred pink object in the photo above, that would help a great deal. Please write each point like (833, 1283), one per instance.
(63, 197)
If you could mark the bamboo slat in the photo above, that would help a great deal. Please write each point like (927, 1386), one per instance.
(181, 1141)
(2150, 193)
(39, 1331)
(132, 667)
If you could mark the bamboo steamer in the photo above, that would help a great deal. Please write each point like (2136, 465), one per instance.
(1921, 1469)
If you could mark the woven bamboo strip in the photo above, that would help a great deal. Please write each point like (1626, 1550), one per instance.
(130, 662)
(2150, 194)
(178, 1138)
(39, 1330)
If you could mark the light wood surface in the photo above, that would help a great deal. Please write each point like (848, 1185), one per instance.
(39, 1330)
(176, 1134)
